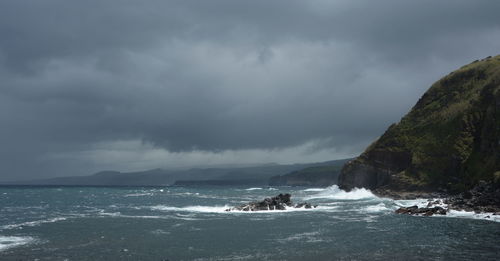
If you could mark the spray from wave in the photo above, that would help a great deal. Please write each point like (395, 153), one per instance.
(334, 192)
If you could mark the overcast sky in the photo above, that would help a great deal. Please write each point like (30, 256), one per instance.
(133, 85)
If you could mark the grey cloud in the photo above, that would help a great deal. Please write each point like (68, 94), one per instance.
(219, 76)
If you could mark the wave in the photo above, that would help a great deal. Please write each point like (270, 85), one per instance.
(7, 242)
(307, 237)
(314, 189)
(120, 215)
(34, 223)
(334, 192)
(222, 209)
(380, 207)
(473, 215)
(421, 203)
(250, 189)
(200, 209)
(138, 194)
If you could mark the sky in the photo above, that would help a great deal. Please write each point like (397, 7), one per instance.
(134, 85)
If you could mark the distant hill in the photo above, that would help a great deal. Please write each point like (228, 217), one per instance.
(448, 141)
(320, 176)
(252, 176)
(160, 177)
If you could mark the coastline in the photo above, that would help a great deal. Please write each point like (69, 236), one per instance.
(483, 198)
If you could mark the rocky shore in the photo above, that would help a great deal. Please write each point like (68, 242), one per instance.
(483, 198)
(427, 211)
(279, 202)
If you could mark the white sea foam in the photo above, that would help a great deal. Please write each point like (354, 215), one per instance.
(110, 214)
(250, 189)
(138, 194)
(333, 192)
(103, 213)
(200, 209)
(222, 209)
(314, 189)
(160, 232)
(308, 237)
(7, 242)
(380, 207)
(119, 215)
(421, 203)
(467, 214)
(34, 223)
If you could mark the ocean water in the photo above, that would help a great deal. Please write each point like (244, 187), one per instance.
(175, 223)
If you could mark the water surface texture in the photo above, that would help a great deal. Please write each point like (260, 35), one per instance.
(174, 223)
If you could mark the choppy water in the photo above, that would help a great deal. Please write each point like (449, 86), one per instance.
(174, 223)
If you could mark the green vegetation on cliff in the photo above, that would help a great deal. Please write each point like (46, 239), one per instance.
(450, 138)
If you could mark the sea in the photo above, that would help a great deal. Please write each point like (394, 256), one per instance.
(190, 223)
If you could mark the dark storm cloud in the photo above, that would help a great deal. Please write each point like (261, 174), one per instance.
(218, 77)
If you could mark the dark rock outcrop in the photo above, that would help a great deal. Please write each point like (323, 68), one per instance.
(279, 202)
(485, 197)
(415, 210)
(447, 142)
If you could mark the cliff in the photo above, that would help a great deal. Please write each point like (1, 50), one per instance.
(449, 141)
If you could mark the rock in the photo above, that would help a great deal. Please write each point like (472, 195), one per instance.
(415, 210)
(433, 203)
(305, 205)
(407, 210)
(279, 202)
(484, 197)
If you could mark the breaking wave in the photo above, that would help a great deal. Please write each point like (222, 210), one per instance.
(466, 214)
(380, 207)
(334, 192)
(314, 189)
(222, 209)
(34, 223)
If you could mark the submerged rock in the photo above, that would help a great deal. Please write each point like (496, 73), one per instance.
(279, 202)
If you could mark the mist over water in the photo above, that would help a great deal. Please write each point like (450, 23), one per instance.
(175, 223)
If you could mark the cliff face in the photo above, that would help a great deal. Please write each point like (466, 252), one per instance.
(449, 140)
